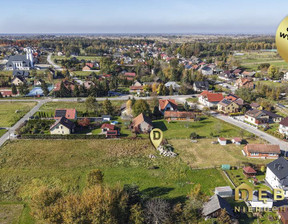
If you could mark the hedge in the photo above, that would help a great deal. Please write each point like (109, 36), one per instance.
(72, 136)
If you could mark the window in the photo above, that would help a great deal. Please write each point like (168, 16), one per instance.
(254, 154)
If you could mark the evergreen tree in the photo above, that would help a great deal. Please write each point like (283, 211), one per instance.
(44, 87)
(76, 91)
(14, 89)
(107, 107)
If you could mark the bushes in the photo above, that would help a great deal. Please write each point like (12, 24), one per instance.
(73, 136)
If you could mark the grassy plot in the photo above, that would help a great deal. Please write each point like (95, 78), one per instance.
(10, 213)
(87, 58)
(11, 112)
(205, 127)
(2, 132)
(205, 154)
(64, 164)
(84, 73)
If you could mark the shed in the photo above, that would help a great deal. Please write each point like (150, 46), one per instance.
(225, 191)
(225, 167)
(106, 118)
(237, 141)
(222, 141)
(249, 171)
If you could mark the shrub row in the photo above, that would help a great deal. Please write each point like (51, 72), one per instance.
(73, 136)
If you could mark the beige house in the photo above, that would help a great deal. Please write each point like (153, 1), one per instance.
(18, 80)
(227, 106)
(62, 126)
(141, 124)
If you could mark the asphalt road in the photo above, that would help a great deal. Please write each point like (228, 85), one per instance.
(50, 61)
(12, 129)
(271, 139)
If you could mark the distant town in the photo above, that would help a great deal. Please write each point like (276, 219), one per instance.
(76, 112)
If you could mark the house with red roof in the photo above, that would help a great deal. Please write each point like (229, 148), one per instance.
(210, 99)
(130, 75)
(167, 105)
(70, 114)
(110, 130)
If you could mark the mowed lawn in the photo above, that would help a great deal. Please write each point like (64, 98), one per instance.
(65, 164)
(79, 106)
(11, 112)
(205, 154)
(204, 128)
(10, 213)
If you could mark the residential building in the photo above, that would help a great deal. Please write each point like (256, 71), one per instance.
(256, 117)
(228, 106)
(62, 126)
(209, 99)
(213, 208)
(174, 85)
(167, 105)
(199, 86)
(283, 127)
(106, 118)
(273, 118)
(206, 70)
(70, 114)
(277, 175)
(141, 124)
(263, 151)
(244, 83)
(237, 141)
(18, 80)
(179, 116)
(256, 203)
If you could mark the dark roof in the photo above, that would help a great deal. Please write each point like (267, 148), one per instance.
(22, 58)
(202, 84)
(271, 114)
(215, 203)
(20, 73)
(60, 113)
(20, 77)
(284, 121)
(106, 116)
(279, 167)
(65, 122)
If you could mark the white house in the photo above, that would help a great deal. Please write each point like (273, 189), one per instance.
(209, 99)
(283, 126)
(174, 85)
(285, 77)
(277, 174)
(222, 141)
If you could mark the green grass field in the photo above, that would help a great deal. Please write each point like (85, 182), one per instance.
(65, 164)
(204, 154)
(87, 58)
(2, 132)
(183, 129)
(11, 112)
(252, 59)
(83, 73)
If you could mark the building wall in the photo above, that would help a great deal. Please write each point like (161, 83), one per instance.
(60, 130)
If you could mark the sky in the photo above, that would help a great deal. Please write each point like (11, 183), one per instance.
(149, 16)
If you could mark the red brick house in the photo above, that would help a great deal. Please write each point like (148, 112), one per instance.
(263, 151)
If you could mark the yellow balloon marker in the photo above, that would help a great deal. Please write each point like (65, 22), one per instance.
(156, 137)
(282, 39)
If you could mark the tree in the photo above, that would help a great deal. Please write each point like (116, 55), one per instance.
(1, 96)
(95, 177)
(136, 215)
(107, 107)
(45, 89)
(224, 217)
(76, 91)
(171, 90)
(91, 104)
(193, 136)
(273, 72)
(14, 89)
(186, 106)
(141, 106)
(157, 210)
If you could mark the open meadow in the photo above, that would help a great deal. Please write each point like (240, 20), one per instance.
(204, 154)
(32, 164)
(11, 112)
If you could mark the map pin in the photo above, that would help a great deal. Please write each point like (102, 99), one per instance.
(156, 137)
